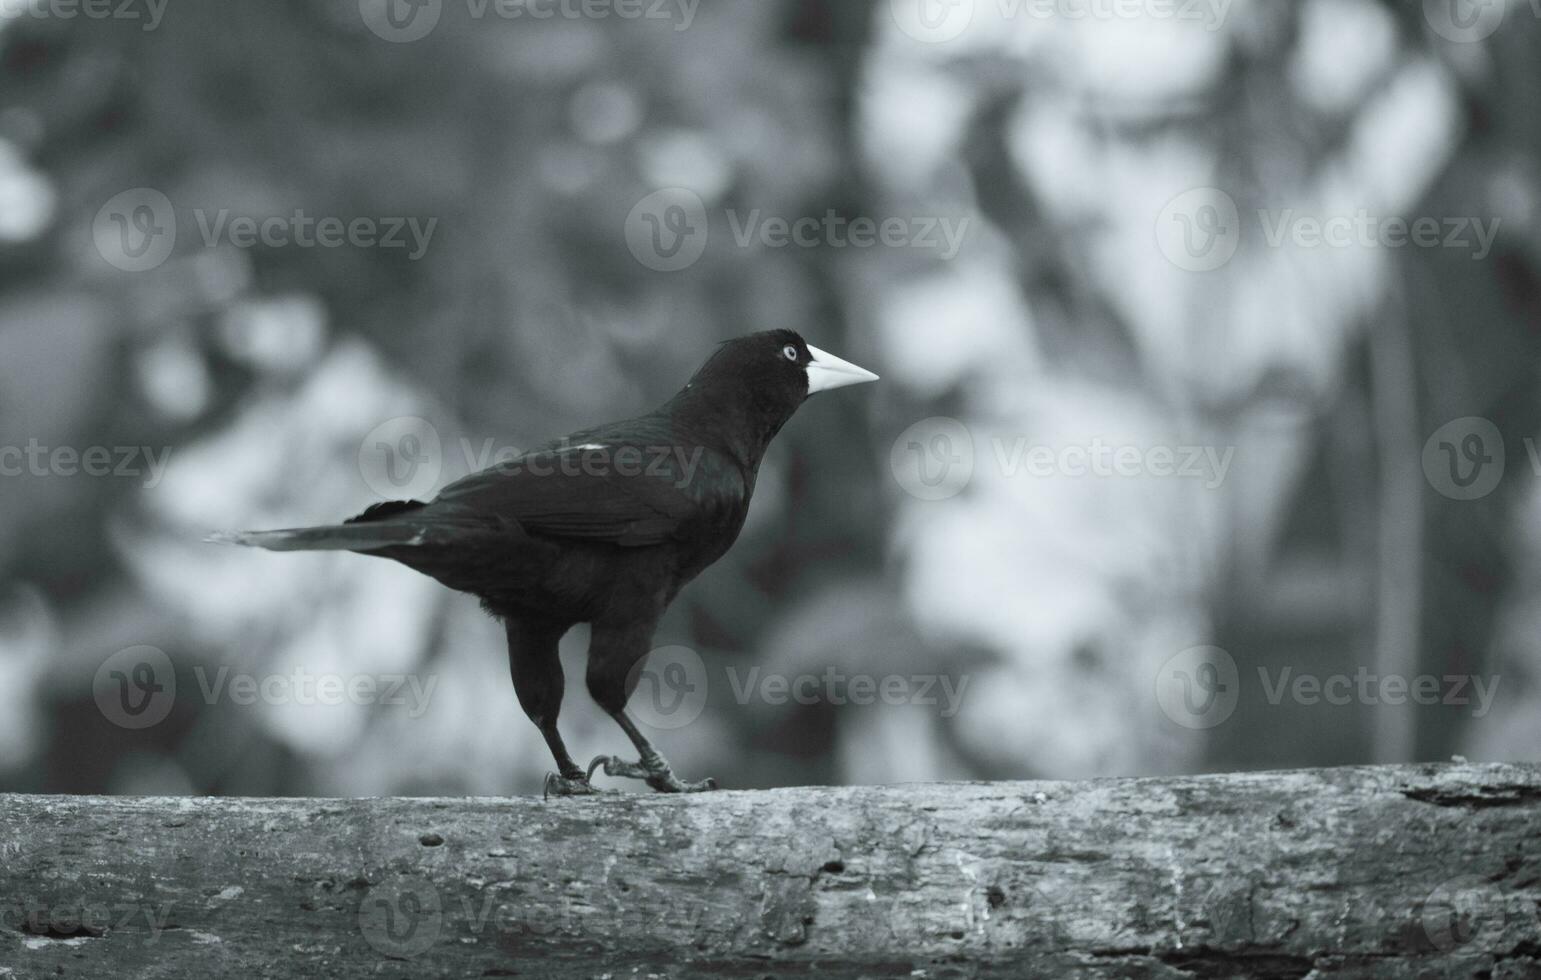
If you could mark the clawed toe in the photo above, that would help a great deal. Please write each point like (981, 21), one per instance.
(618, 767)
(658, 775)
(558, 785)
(667, 782)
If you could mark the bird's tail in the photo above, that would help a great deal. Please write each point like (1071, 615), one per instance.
(340, 537)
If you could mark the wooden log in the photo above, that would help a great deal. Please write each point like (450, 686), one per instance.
(1428, 871)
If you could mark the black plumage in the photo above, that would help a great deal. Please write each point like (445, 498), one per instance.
(603, 527)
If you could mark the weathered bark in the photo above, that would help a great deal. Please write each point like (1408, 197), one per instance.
(1387, 872)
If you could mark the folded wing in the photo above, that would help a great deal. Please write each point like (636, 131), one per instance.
(618, 494)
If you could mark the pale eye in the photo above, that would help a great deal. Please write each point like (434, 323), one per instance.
(790, 351)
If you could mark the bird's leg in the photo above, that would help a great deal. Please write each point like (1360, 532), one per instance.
(615, 651)
(653, 767)
(570, 780)
(537, 672)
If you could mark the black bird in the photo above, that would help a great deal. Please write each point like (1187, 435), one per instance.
(602, 527)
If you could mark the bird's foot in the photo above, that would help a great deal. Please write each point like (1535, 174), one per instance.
(558, 785)
(654, 771)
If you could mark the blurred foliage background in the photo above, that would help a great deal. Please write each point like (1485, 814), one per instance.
(262, 370)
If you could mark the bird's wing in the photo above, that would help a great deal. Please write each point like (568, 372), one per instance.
(611, 492)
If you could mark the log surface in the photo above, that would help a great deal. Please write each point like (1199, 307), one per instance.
(1428, 871)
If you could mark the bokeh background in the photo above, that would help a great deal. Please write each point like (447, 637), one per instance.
(596, 189)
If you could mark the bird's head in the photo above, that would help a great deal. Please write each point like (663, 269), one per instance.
(753, 385)
(779, 368)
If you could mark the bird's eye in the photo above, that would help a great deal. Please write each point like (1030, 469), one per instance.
(790, 350)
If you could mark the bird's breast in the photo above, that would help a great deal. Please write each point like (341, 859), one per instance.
(714, 529)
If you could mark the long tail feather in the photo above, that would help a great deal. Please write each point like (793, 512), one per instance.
(341, 537)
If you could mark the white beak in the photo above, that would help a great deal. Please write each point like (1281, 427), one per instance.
(827, 372)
